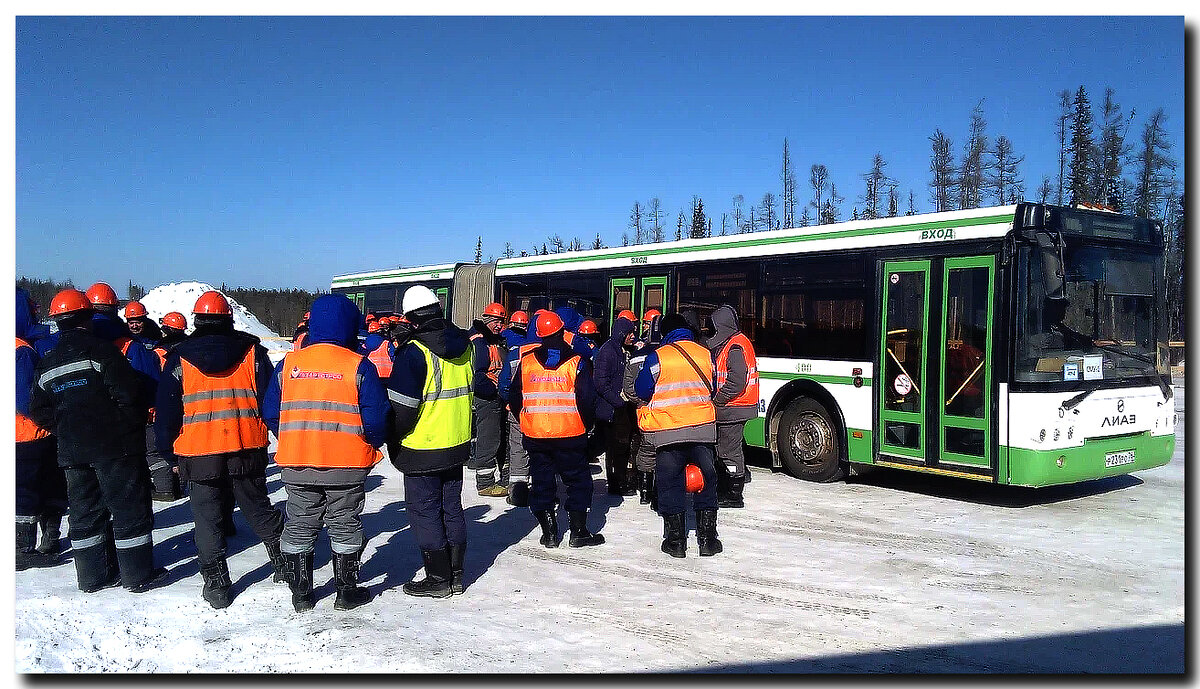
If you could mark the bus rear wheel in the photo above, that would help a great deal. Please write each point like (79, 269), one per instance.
(808, 442)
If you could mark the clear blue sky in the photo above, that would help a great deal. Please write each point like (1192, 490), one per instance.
(278, 152)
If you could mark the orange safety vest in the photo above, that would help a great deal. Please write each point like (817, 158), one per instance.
(749, 396)
(27, 430)
(220, 412)
(382, 360)
(681, 399)
(123, 343)
(548, 408)
(299, 341)
(162, 357)
(495, 363)
(320, 424)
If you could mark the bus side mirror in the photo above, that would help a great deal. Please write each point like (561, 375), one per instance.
(1050, 255)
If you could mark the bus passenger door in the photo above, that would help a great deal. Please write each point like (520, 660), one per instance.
(903, 351)
(654, 294)
(964, 412)
(621, 293)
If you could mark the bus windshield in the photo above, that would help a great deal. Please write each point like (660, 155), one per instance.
(1113, 314)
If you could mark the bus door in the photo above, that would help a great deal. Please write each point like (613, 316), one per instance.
(638, 294)
(902, 361)
(964, 410)
(443, 294)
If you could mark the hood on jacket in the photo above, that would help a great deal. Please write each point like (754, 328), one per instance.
(442, 337)
(333, 319)
(621, 329)
(678, 335)
(570, 318)
(108, 326)
(215, 347)
(24, 315)
(725, 326)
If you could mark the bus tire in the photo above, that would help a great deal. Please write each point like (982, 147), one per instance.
(808, 441)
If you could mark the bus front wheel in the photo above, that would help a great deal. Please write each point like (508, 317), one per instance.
(808, 442)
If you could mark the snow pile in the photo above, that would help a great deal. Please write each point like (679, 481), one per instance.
(182, 297)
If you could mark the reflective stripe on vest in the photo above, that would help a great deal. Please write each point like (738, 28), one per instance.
(320, 424)
(444, 417)
(749, 396)
(27, 430)
(495, 363)
(681, 399)
(548, 407)
(220, 411)
(382, 360)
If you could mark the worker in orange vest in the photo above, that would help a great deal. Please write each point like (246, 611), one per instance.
(208, 415)
(677, 379)
(553, 395)
(329, 410)
(736, 399)
(377, 347)
(489, 348)
(301, 332)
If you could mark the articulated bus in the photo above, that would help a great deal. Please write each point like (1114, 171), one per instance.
(1020, 345)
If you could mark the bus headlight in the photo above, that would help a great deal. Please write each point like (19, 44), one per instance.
(1042, 435)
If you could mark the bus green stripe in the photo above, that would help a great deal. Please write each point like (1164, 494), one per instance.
(766, 241)
(399, 274)
(834, 380)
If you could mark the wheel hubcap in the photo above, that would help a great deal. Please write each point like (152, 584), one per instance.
(811, 437)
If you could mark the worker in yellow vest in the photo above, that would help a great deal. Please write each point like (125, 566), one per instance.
(329, 410)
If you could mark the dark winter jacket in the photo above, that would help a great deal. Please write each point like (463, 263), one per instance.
(27, 357)
(151, 334)
(571, 321)
(110, 327)
(611, 359)
(725, 326)
(333, 320)
(170, 338)
(88, 395)
(407, 382)
(644, 386)
(212, 348)
(552, 354)
(514, 341)
(485, 389)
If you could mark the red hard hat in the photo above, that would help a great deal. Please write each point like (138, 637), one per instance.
(100, 294)
(628, 315)
(374, 326)
(134, 309)
(693, 478)
(649, 315)
(370, 317)
(69, 301)
(519, 318)
(175, 320)
(548, 323)
(588, 328)
(495, 311)
(212, 303)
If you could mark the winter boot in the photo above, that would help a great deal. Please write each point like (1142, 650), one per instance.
(138, 573)
(51, 525)
(518, 494)
(298, 572)
(277, 562)
(653, 494)
(457, 552)
(218, 587)
(675, 542)
(549, 521)
(733, 496)
(345, 572)
(706, 533)
(504, 475)
(580, 536)
(165, 486)
(629, 482)
(28, 556)
(494, 491)
(438, 576)
(646, 487)
(95, 564)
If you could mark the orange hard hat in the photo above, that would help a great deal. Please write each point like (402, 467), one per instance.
(395, 320)
(650, 314)
(628, 315)
(175, 320)
(519, 318)
(693, 478)
(134, 309)
(100, 294)
(212, 303)
(588, 328)
(371, 317)
(495, 311)
(374, 326)
(548, 323)
(69, 301)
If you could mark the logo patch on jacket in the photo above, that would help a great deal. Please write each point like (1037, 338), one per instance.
(297, 373)
(69, 384)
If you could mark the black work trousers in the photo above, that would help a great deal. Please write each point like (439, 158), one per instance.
(572, 466)
(208, 500)
(485, 449)
(618, 446)
(111, 520)
(669, 467)
(41, 485)
(435, 512)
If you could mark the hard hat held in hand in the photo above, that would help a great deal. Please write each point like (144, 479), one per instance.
(418, 297)
(694, 479)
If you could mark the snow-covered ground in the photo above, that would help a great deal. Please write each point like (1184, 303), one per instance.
(891, 572)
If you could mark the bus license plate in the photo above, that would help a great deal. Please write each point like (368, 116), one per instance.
(1116, 459)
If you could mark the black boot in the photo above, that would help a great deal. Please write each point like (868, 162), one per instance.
(646, 488)
(277, 563)
(706, 533)
(164, 486)
(580, 536)
(96, 565)
(629, 483)
(436, 583)
(549, 521)
(675, 542)
(298, 573)
(457, 552)
(218, 587)
(518, 494)
(653, 493)
(345, 572)
(51, 525)
(138, 573)
(28, 556)
(733, 496)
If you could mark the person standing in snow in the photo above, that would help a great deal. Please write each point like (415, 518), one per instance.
(431, 394)
(329, 410)
(377, 347)
(489, 409)
(518, 340)
(88, 395)
(642, 447)
(144, 330)
(736, 400)
(614, 416)
(209, 417)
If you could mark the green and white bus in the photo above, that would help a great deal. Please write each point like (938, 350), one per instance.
(1022, 345)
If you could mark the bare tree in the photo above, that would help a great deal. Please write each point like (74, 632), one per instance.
(738, 202)
(1005, 176)
(508, 250)
(1045, 189)
(788, 176)
(877, 182)
(971, 173)
(575, 245)
(912, 203)
(724, 224)
(941, 168)
(818, 179)
(635, 222)
(556, 244)
(1154, 167)
(768, 210)
(654, 216)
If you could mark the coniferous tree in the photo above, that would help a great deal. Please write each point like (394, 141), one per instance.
(1004, 177)
(738, 202)
(1113, 150)
(479, 249)
(576, 244)
(877, 183)
(1081, 148)
(508, 250)
(635, 223)
(818, 179)
(654, 216)
(544, 252)
(698, 223)
(971, 172)
(893, 202)
(805, 218)
(1045, 189)
(598, 243)
(942, 185)
(767, 214)
(624, 239)
(854, 214)
(912, 203)
(789, 187)
(1154, 167)
(679, 227)
(831, 211)
(724, 224)
(1064, 116)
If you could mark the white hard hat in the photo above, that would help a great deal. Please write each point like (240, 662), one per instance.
(418, 296)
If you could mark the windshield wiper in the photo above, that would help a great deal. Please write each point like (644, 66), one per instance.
(1162, 384)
